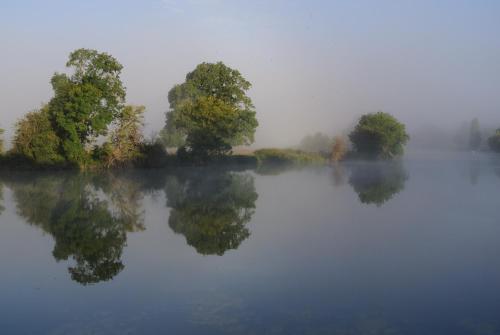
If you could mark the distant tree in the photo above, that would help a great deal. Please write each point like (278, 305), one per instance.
(339, 149)
(379, 135)
(494, 141)
(86, 102)
(210, 112)
(35, 139)
(475, 135)
(318, 142)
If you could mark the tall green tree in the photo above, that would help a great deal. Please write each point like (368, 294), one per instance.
(85, 102)
(210, 112)
(379, 135)
(474, 135)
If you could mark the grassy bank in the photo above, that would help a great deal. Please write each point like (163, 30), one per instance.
(287, 156)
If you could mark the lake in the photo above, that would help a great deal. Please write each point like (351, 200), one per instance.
(410, 247)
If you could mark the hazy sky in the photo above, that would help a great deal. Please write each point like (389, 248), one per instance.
(314, 65)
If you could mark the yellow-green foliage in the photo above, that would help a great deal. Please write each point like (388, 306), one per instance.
(35, 139)
(287, 156)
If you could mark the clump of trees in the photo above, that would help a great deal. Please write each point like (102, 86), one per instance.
(210, 112)
(379, 135)
(494, 141)
(88, 107)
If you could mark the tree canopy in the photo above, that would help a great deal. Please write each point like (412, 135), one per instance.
(379, 135)
(85, 102)
(210, 112)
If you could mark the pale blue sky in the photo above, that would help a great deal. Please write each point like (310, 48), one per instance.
(314, 65)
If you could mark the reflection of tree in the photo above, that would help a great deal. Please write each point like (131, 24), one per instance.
(86, 217)
(376, 183)
(211, 209)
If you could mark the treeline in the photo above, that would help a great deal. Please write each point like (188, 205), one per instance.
(87, 124)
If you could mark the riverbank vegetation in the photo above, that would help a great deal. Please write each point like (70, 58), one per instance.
(87, 124)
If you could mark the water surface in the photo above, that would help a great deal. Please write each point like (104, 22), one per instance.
(406, 247)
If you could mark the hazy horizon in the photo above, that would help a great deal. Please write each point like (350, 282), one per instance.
(314, 66)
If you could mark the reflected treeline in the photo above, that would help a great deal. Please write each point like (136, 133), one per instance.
(211, 208)
(88, 216)
(377, 182)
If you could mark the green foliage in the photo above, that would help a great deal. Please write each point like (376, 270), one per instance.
(287, 156)
(318, 142)
(35, 139)
(211, 210)
(85, 103)
(494, 141)
(475, 135)
(379, 135)
(213, 126)
(377, 183)
(210, 111)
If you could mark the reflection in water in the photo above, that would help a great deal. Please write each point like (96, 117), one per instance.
(211, 208)
(87, 217)
(377, 183)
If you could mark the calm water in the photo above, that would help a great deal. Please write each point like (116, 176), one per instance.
(362, 248)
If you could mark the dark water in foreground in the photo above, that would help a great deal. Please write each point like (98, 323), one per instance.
(363, 248)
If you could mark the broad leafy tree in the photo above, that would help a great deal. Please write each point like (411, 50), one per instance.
(210, 112)
(86, 101)
(379, 135)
